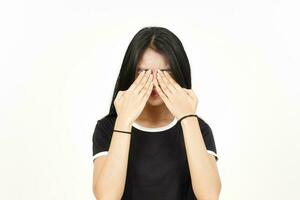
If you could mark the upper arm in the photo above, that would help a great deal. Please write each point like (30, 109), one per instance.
(101, 138)
(101, 142)
(213, 160)
(208, 138)
(98, 165)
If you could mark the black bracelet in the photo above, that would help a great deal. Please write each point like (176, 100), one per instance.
(186, 116)
(128, 132)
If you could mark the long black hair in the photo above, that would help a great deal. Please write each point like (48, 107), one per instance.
(165, 43)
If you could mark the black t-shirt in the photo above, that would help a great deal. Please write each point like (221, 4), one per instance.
(157, 163)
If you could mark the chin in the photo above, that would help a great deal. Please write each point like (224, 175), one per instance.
(155, 101)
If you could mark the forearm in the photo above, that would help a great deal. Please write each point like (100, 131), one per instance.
(204, 176)
(111, 180)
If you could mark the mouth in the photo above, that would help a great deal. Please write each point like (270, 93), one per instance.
(154, 93)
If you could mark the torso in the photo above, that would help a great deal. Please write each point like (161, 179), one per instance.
(157, 163)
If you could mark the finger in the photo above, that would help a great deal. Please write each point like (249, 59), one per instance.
(155, 83)
(190, 93)
(186, 91)
(148, 93)
(172, 81)
(160, 92)
(193, 94)
(142, 83)
(146, 87)
(168, 83)
(163, 86)
(137, 80)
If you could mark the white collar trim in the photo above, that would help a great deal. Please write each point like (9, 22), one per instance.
(163, 128)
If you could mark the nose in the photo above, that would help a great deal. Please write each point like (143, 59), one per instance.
(154, 71)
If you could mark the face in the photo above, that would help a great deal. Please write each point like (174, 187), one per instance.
(154, 61)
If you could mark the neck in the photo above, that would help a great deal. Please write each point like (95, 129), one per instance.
(155, 113)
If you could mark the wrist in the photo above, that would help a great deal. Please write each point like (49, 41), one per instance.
(122, 124)
(188, 120)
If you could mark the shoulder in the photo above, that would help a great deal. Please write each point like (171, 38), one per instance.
(106, 120)
(205, 128)
(105, 124)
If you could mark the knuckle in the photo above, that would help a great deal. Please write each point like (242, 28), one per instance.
(129, 92)
(139, 88)
(143, 90)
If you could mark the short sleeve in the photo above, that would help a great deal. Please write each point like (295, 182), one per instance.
(208, 138)
(101, 138)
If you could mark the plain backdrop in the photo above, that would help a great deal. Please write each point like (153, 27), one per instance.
(60, 60)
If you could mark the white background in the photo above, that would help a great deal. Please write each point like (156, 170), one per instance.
(60, 60)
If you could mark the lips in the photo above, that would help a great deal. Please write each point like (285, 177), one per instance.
(154, 93)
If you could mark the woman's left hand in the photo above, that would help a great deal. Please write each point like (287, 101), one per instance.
(180, 101)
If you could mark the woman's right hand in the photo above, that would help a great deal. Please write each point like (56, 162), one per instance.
(130, 103)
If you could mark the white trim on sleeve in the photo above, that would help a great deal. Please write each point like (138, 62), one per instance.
(102, 153)
(213, 153)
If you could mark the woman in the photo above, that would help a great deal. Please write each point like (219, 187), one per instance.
(152, 145)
